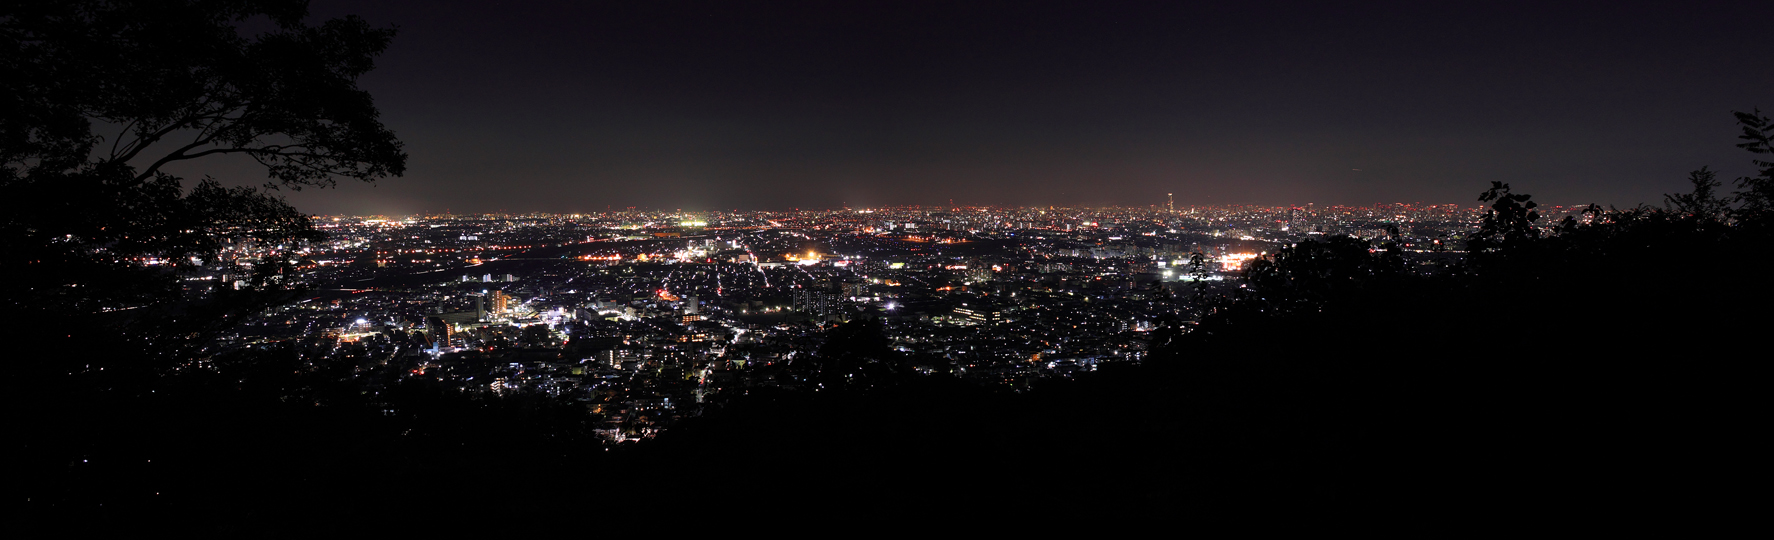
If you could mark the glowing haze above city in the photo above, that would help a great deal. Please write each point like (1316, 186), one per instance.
(585, 107)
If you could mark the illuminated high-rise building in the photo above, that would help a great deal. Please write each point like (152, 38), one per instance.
(816, 301)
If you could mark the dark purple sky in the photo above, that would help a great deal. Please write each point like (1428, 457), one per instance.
(575, 106)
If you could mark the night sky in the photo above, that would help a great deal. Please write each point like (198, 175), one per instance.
(580, 106)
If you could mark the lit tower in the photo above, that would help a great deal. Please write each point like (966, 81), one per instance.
(1170, 202)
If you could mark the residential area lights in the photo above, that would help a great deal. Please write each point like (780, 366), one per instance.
(644, 317)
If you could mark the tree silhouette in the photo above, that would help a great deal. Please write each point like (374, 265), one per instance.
(1314, 270)
(1757, 195)
(1509, 222)
(856, 350)
(99, 96)
(1703, 202)
(1198, 276)
(180, 73)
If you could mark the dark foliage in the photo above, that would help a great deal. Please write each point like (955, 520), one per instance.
(98, 96)
(1757, 192)
(1594, 371)
(1509, 222)
(1703, 203)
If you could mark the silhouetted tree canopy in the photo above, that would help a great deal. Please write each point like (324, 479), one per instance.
(99, 96)
(1510, 220)
(1757, 192)
(172, 81)
(1704, 202)
(1315, 268)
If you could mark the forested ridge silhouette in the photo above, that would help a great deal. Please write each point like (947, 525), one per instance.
(1594, 371)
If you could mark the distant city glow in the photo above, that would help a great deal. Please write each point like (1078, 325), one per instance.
(612, 305)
